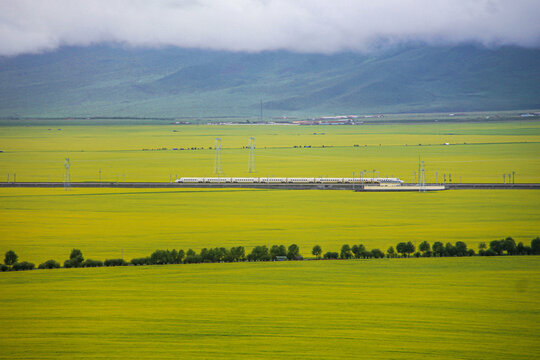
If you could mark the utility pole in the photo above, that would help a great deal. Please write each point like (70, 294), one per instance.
(422, 177)
(419, 171)
(251, 161)
(218, 169)
(513, 177)
(67, 175)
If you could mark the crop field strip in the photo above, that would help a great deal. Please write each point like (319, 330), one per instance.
(40, 223)
(447, 308)
(36, 153)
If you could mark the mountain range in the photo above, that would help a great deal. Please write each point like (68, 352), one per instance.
(115, 81)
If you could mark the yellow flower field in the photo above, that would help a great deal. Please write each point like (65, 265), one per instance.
(478, 152)
(443, 308)
(39, 224)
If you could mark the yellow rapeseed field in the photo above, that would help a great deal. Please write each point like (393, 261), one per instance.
(39, 224)
(444, 308)
(435, 308)
(478, 152)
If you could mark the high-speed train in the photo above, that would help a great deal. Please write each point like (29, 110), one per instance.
(284, 180)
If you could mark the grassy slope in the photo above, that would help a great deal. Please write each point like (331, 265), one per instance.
(467, 308)
(98, 81)
(40, 224)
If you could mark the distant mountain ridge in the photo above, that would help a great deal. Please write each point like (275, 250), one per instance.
(172, 82)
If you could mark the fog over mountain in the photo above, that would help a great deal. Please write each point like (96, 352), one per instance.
(314, 26)
(173, 58)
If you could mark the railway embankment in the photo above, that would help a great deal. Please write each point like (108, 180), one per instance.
(355, 187)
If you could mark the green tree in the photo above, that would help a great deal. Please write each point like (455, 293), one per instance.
(76, 256)
(159, 257)
(10, 258)
(509, 245)
(331, 255)
(294, 252)
(390, 253)
(402, 248)
(358, 250)
(410, 248)
(450, 249)
(259, 253)
(181, 255)
(23, 265)
(238, 253)
(317, 251)
(173, 257)
(438, 248)
(49, 264)
(424, 247)
(377, 254)
(482, 246)
(535, 246)
(461, 248)
(277, 250)
(497, 246)
(345, 252)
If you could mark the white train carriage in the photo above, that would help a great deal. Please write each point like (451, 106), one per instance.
(190, 180)
(272, 180)
(218, 180)
(329, 180)
(301, 180)
(278, 180)
(245, 180)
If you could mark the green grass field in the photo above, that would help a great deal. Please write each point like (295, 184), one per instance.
(480, 152)
(443, 308)
(39, 224)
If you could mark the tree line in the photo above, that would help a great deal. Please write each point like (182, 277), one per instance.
(279, 252)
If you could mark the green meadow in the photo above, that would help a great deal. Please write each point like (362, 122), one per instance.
(478, 152)
(39, 224)
(443, 308)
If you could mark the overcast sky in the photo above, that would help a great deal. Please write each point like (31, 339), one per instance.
(29, 26)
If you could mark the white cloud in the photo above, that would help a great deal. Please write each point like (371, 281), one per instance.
(28, 26)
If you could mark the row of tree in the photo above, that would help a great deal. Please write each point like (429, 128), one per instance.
(506, 246)
(279, 252)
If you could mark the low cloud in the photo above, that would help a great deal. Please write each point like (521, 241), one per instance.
(318, 26)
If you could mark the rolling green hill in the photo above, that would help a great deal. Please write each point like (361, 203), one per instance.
(171, 82)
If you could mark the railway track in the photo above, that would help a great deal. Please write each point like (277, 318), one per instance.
(357, 187)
